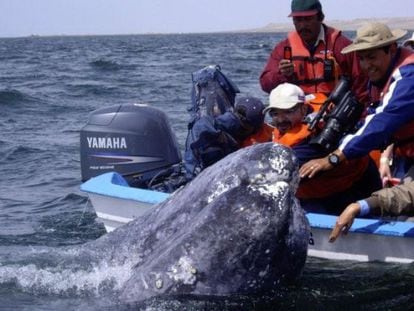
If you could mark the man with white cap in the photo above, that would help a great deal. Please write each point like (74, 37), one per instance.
(310, 56)
(287, 109)
(391, 73)
(329, 192)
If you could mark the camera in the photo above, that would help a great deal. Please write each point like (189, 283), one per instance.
(342, 119)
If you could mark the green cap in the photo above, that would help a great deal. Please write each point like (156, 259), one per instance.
(305, 8)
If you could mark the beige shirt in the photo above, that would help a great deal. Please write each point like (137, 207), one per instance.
(394, 201)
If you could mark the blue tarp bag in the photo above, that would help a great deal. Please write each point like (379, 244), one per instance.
(213, 94)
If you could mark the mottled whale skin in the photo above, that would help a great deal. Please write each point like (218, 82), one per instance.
(237, 228)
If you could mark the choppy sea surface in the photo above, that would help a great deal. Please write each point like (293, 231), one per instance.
(48, 86)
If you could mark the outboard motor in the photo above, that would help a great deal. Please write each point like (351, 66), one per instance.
(132, 139)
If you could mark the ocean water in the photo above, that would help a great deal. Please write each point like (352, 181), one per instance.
(48, 86)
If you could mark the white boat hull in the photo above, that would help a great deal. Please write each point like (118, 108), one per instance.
(126, 210)
(358, 246)
(368, 239)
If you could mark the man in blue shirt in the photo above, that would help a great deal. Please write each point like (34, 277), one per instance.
(391, 73)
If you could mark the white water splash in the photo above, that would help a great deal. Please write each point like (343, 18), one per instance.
(58, 281)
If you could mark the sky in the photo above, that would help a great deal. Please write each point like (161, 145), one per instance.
(82, 17)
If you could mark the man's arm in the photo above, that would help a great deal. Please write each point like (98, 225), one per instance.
(271, 75)
(313, 167)
(396, 111)
(345, 221)
(395, 201)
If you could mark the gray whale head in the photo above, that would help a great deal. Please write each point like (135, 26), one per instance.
(237, 228)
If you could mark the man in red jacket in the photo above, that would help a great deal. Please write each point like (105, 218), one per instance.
(310, 57)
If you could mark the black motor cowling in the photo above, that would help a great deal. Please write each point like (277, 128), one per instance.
(132, 139)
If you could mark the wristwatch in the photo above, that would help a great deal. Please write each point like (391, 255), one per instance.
(333, 159)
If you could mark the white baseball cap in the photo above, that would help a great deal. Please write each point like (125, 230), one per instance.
(285, 96)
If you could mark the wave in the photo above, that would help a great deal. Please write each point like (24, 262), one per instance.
(12, 97)
(18, 152)
(257, 46)
(105, 65)
(91, 89)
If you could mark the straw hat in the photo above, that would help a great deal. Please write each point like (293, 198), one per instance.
(409, 41)
(285, 96)
(372, 36)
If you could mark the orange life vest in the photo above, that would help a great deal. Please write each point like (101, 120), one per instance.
(296, 135)
(263, 135)
(310, 69)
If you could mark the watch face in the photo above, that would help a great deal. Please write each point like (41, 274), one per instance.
(333, 159)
